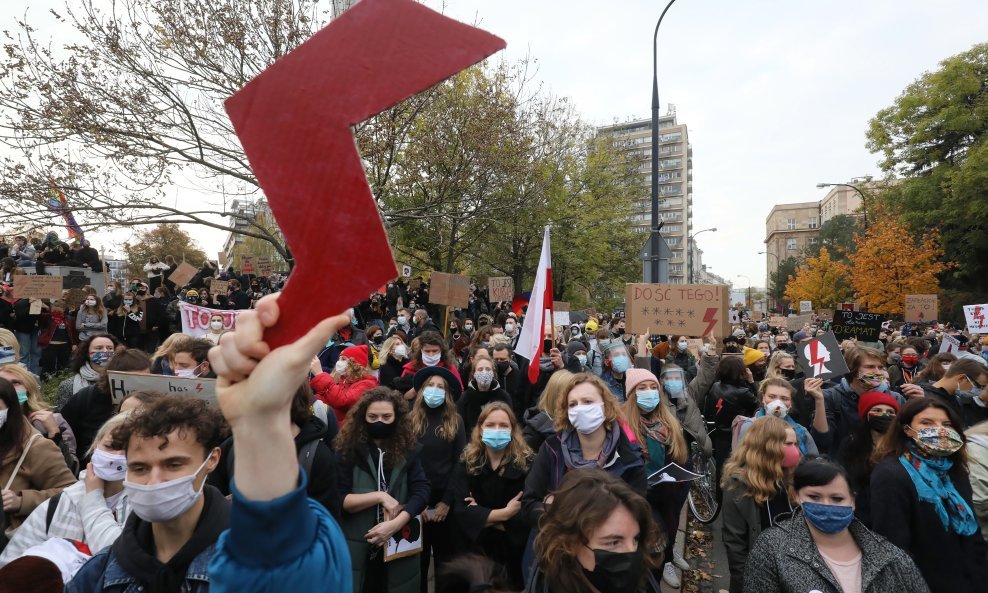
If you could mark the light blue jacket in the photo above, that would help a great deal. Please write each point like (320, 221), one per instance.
(288, 544)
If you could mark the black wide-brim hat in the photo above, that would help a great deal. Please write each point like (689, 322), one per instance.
(423, 375)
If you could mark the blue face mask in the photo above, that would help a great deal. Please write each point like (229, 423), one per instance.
(674, 387)
(620, 363)
(496, 438)
(969, 396)
(648, 399)
(828, 518)
(434, 396)
(22, 396)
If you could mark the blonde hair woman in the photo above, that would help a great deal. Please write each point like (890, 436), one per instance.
(540, 422)
(10, 348)
(755, 489)
(781, 365)
(589, 435)
(492, 474)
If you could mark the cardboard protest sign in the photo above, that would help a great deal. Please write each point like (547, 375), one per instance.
(950, 344)
(294, 122)
(406, 271)
(182, 274)
(35, 307)
(407, 541)
(687, 309)
(778, 321)
(74, 298)
(798, 322)
(826, 314)
(561, 318)
(921, 308)
(560, 306)
(195, 319)
(264, 266)
(248, 264)
(857, 324)
(219, 286)
(805, 306)
(221, 257)
(977, 320)
(449, 289)
(415, 284)
(37, 287)
(821, 357)
(500, 288)
(123, 383)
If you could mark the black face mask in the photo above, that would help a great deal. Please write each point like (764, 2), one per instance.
(880, 423)
(616, 572)
(620, 331)
(378, 339)
(381, 430)
(789, 374)
(758, 373)
(503, 366)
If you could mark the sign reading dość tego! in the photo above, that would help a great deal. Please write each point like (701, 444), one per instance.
(677, 309)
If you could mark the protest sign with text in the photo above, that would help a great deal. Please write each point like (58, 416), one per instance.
(921, 308)
(977, 318)
(500, 288)
(449, 289)
(857, 324)
(690, 309)
(798, 322)
(195, 319)
(37, 287)
(265, 267)
(805, 306)
(950, 344)
(247, 264)
(123, 383)
(182, 274)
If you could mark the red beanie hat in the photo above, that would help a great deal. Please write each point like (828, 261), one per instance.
(870, 399)
(357, 354)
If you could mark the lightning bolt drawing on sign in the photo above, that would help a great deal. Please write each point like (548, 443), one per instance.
(979, 316)
(294, 122)
(710, 318)
(817, 359)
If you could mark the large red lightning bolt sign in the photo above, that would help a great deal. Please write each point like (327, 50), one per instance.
(710, 317)
(816, 360)
(294, 120)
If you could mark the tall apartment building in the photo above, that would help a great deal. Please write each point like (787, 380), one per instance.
(634, 138)
(791, 228)
(241, 210)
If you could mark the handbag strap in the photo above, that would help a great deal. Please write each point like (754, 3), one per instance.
(20, 461)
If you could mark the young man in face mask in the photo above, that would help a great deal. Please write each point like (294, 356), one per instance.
(191, 359)
(172, 444)
(963, 389)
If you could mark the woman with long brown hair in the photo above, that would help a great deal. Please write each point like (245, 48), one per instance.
(595, 538)
(755, 489)
(91, 317)
(490, 478)
(38, 412)
(659, 434)
(922, 498)
(442, 435)
(383, 487)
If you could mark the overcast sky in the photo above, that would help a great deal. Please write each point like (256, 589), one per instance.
(777, 94)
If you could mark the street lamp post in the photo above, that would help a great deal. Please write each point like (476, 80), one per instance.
(689, 254)
(864, 198)
(656, 226)
(778, 264)
(748, 304)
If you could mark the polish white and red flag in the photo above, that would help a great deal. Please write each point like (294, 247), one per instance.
(539, 314)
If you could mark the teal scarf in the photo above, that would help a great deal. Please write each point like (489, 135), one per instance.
(933, 485)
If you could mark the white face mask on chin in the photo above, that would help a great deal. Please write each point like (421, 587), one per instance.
(165, 501)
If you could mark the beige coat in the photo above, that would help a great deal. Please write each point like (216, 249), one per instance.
(42, 475)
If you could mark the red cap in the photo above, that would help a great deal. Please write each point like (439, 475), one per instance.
(358, 354)
(870, 399)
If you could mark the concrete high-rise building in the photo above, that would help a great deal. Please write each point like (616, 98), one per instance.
(242, 214)
(634, 138)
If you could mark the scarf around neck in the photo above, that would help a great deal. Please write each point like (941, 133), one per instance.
(573, 452)
(933, 485)
(86, 376)
(134, 549)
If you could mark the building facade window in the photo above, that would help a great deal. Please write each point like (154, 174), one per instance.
(791, 244)
(791, 224)
(813, 222)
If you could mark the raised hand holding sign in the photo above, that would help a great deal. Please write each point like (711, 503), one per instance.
(294, 121)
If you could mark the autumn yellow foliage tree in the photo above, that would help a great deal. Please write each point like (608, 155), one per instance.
(821, 280)
(892, 261)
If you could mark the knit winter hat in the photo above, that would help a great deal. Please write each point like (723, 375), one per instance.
(870, 399)
(632, 377)
(357, 354)
(752, 355)
(575, 346)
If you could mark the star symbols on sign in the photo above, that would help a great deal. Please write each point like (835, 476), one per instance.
(691, 314)
(656, 311)
(668, 311)
(644, 310)
(682, 323)
(679, 312)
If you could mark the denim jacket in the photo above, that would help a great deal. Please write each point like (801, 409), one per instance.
(103, 574)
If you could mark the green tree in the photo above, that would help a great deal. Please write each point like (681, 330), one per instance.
(778, 279)
(934, 137)
(162, 240)
(837, 235)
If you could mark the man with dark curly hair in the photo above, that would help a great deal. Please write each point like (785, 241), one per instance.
(172, 444)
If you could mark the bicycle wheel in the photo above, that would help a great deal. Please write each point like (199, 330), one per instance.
(704, 496)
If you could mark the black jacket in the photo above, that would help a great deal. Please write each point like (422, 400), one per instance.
(86, 411)
(549, 468)
(390, 370)
(538, 427)
(725, 402)
(948, 561)
(473, 400)
(323, 479)
(238, 300)
(16, 316)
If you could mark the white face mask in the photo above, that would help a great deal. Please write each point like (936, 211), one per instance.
(159, 503)
(108, 466)
(216, 325)
(187, 373)
(431, 360)
(3, 417)
(586, 418)
(777, 408)
(340, 367)
(509, 328)
(400, 350)
(484, 378)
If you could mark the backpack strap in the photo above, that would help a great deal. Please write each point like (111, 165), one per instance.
(52, 507)
(307, 455)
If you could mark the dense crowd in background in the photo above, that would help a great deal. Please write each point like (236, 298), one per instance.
(415, 415)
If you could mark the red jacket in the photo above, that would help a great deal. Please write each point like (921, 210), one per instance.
(411, 367)
(340, 395)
